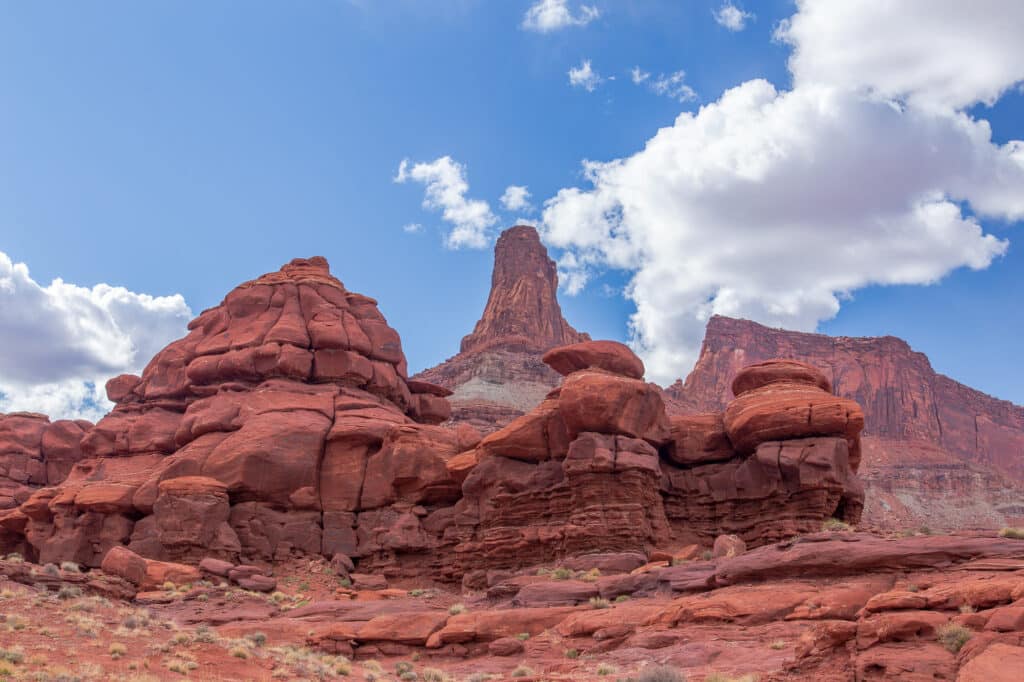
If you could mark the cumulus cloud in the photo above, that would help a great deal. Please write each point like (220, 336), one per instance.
(774, 206)
(584, 76)
(62, 342)
(516, 198)
(446, 188)
(412, 228)
(936, 53)
(546, 16)
(732, 17)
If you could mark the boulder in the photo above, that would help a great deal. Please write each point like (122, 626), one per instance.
(610, 356)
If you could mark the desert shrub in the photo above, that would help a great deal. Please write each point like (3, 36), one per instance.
(523, 636)
(572, 653)
(599, 603)
(835, 525)
(117, 650)
(1012, 533)
(239, 652)
(953, 636)
(15, 558)
(456, 609)
(69, 592)
(257, 638)
(70, 567)
(561, 573)
(706, 555)
(661, 673)
(15, 655)
(621, 598)
(51, 570)
(591, 576)
(606, 669)
(778, 644)
(432, 675)
(522, 671)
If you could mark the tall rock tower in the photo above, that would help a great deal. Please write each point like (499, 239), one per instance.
(498, 374)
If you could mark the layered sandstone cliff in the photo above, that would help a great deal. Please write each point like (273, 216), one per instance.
(497, 374)
(936, 452)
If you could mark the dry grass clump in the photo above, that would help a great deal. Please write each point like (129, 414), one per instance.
(599, 603)
(1012, 533)
(953, 636)
(117, 650)
(522, 671)
(835, 525)
(456, 609)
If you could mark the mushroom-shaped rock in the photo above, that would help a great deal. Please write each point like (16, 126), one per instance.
(761, 374)
(610, 356)
(783, 410)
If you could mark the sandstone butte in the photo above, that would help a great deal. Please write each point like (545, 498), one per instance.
(936, 453)
(274, 475)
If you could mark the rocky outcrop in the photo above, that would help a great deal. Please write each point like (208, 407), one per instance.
(498, 374)
(282, 423)
(597, 467)
(936, 452)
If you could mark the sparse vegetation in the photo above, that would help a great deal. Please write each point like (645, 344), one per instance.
(706, 555)
(70, 567)
(661, 673)
(523, 636)
(69, 592)
(456, 609)
(778, 645)
(833, 524)
(239, 652)
(51, 570)
(258, 639)
(572, 653)
(591, 576)
(953, 636)
(522, 671)
(117, 650)
(561, 573)
(1012, 533)
(621, 598)
(599, 603)
(606, 669)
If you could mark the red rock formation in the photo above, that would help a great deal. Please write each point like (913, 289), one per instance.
(936, 452)
(498, 374)
(596, 467)
(282, 423)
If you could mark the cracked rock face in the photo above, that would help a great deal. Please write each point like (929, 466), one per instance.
(254, 437)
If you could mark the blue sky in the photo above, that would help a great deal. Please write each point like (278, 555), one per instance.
(183, 147)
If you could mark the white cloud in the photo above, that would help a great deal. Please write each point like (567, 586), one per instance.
(62, 342)
(545, 16)
(412, 228)
(936, 53)
(638, 75)
(674, 85)
(732, 17)
(584, 76)
(774, 206)
(446, 188)
(516, 198)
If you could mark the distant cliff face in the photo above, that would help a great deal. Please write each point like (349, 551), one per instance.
(498, 374)
(934, 448)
